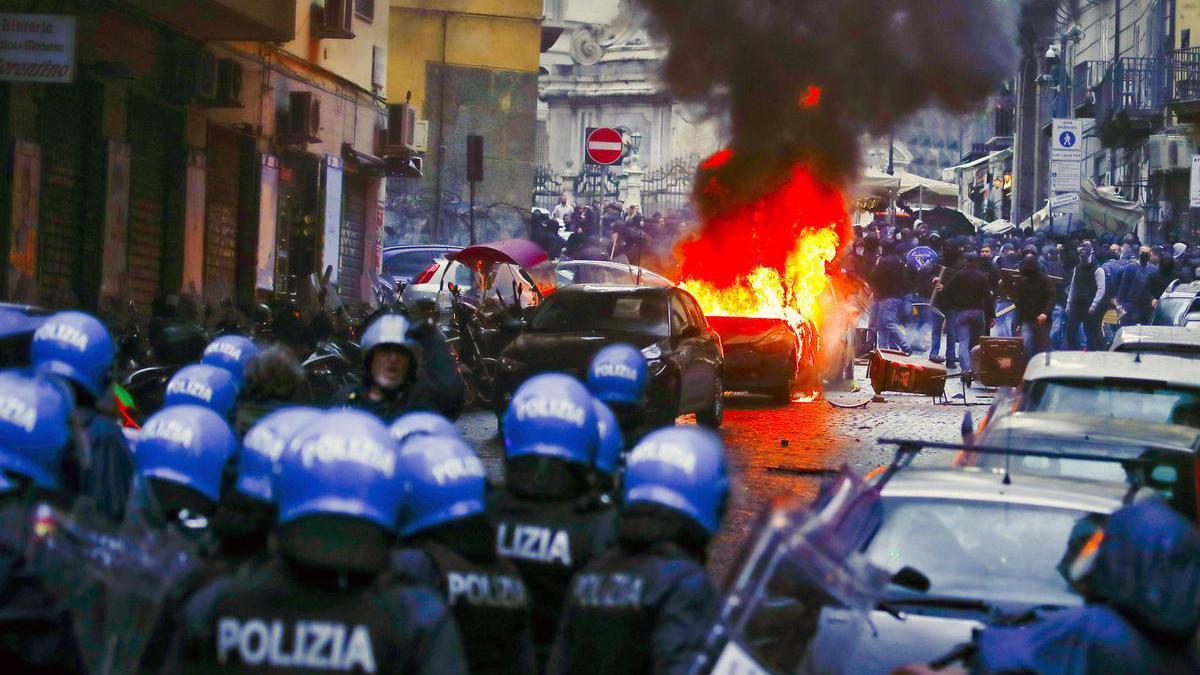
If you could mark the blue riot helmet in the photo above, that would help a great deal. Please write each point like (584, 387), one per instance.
(444, 481)
(683, 469)
(261, 458)
(618, 375)
(187, 447)
(610, 441)
(75, 346)
(421, 423)
(231, 352)
(339, 493)
(551, 415)
(34, 429)
(204, 385)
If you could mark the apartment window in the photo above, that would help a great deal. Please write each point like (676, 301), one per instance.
(365, 9)
(1185, 38)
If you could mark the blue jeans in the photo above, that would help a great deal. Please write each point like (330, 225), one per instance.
(1034, 337)
(889, 326)
(970, 326)
(1004, 324)
(944, 323)
(1058, 323)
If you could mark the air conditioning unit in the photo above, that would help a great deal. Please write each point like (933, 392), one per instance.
(1169, 152)
(229, 82)
(401, 129)
(302, 122)
(335, 21)
(421, 136)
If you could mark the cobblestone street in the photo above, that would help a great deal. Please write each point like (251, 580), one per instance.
(788, 449)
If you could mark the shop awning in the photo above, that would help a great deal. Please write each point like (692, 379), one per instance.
(981, 160)
(1101, 210)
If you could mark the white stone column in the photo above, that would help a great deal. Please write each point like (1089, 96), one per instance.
(631, 186)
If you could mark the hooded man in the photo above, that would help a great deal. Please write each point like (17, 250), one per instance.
(406, 367)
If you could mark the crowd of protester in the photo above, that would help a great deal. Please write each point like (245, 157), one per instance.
(932, 288)
(610, 232)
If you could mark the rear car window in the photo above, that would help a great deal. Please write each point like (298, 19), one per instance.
(409, 264)
(585, 312)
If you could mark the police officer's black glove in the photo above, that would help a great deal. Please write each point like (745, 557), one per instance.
(422, 330)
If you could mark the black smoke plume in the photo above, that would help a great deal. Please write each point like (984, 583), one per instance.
(803, 79)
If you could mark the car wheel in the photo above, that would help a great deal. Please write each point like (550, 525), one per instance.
(782, 394)
(715, 414)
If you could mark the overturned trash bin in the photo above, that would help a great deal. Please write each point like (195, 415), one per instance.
(890, 370)
(999, 361)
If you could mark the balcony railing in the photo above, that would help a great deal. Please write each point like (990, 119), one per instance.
(1086, 76)
(1183, 76)
(1133, 87)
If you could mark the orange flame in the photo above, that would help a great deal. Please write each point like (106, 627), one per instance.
(769, 258)
(795, 295)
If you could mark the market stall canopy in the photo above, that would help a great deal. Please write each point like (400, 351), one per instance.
(874, 181)
(997, 227)
(1102, 210)
(909, 186)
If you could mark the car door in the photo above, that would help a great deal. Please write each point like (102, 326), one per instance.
(710, 352)
(695, 384)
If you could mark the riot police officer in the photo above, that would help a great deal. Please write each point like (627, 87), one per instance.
(617, 376)
(232, 353)
(406, 367)
(203, 385)
(325, 603)
(182, 455)
(36, 633)
(542, 524)
(77, 348)
(247, 510)
(449, 545)
(641, 607)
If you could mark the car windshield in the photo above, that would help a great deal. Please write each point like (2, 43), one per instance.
(408, 264)
(600, 312)
(1125, 399)
(988, 551)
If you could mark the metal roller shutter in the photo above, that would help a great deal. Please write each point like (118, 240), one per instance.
(61, 135)
(221, 214)
(151, 144)
(350, 252)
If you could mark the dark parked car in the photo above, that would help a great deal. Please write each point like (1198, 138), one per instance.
(684, 354)
(404, 263)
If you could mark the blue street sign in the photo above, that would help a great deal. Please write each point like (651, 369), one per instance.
(1067, 139)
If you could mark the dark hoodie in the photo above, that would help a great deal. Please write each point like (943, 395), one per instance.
(1033, 292)
(433, 384)
(1143, 606)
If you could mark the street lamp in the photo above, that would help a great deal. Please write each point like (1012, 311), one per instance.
(636, 141)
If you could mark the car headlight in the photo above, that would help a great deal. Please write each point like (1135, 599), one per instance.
(652, 352)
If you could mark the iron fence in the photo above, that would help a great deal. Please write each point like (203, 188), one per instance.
(669, 188)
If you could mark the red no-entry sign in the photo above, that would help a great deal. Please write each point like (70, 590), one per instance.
(603, 145)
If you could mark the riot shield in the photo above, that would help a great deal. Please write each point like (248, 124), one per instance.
(802, 592)
(116, 582)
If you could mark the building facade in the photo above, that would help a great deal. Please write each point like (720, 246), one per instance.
(219, 148)
(468, 67)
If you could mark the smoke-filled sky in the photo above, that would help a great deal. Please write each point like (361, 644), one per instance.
(802, 79)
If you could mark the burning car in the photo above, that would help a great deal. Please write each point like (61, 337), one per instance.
(763, 356)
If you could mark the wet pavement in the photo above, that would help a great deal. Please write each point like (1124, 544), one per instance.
(779, 449)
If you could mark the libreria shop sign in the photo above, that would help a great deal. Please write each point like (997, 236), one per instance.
(37, 48)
